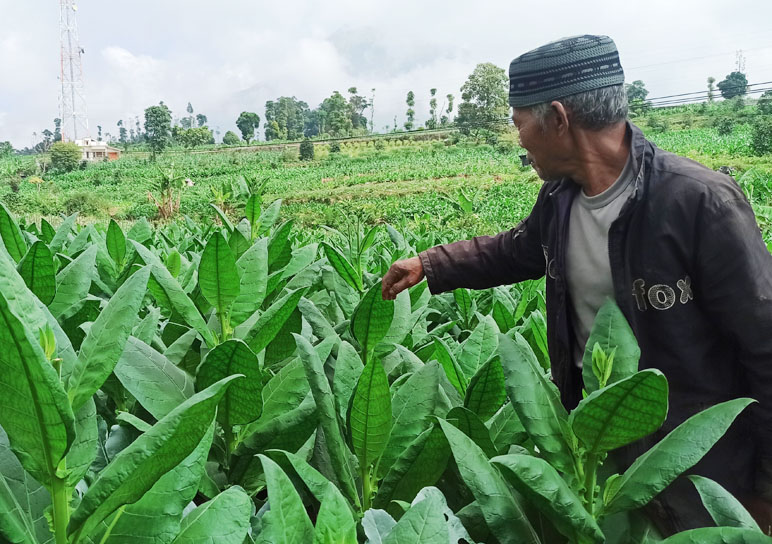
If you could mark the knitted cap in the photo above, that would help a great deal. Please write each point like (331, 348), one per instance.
(562, 68)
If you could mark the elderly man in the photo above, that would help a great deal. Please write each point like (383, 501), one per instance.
(674, 243)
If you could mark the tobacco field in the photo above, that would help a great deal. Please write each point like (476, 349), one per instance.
(243, 381)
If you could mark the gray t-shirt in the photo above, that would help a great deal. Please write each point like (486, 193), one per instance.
(588, 270)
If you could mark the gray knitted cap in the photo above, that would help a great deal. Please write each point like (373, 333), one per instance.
(562, 68)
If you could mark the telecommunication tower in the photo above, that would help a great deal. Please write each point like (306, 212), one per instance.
(72, 101)
(740, 61)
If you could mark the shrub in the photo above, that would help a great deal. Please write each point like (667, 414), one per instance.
(65, 156)
(659, 124)
(306, 150)
(231, 138)
(761, 136)
(765, 103)
(379, 145)
(724, 126)
(335, 147)
(86, 203)
(289, 154)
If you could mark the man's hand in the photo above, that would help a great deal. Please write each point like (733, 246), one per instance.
(402, 275)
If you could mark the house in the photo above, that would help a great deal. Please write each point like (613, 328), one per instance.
(94, 150)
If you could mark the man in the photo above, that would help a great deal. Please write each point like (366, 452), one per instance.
(674, 243)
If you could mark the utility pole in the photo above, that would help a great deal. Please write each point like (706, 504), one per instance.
(72, 100)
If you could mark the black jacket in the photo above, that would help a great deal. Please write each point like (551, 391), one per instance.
(692, 276)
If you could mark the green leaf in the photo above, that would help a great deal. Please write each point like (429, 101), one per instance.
(502, 513)
(157, 384)
(164, 287)
(174, 263)
(419, 465)
(116, 243)
(286, 522)
(141, 231)
(37, 269)
(469, 424)
(269, 217)
(372, 319)
(412, 411)
(348, 368)
(369, 419)
(503, 317)
(218, 276)
(138, 467)
(106, 339)
(73, 283)
(62, 234)
(47, 231)
(543, 487)
(252, 212)
(536, 401)
(280, 247)
(11, 235)
(479, 347)
(84, 448)
(283, 344)
(242, 402)
(486, 392)
(223, 520)
(680, 450)
(270, 323)
(223, 217)
(423, 523)
(147, 329)
(377, 524)
(721, 505)
(464, 302)
(621, 413)
(611, 330)
(505, 428)
(325, 405)
(719, 535)
(253, 269)
(335, 524)
(449, 364)
(343, 267)
(33, 404)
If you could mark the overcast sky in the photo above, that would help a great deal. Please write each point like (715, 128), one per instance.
(233, 55)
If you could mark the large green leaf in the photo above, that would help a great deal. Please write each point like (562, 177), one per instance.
(486, 392)
(411, 410)
(252, 213)
(37, 269)
(269, 217)
(348, 368)
(621, 413)
(341, 265)
(612, 332)
(543, 487)
(62, 234)
(73, 283)
(464, 302)
(479, 347)
(263, 330)
(536, 401)
(157, 384)
(369, 418)
(84, 448)
(253, 268)
(218, 276)
(104, 343)
(325, 405)
(372, 319)
(423, 523)
(33, 404)
(335, 523)
(242, 402)
(719, 535)
(164, 287)
(11, 235)
(280, 247)
(505, 428)
(725, 510)
(678, 451)
(420, 464)
(138, 467)
(116, 243)
(286, 522)
(449, 364)
(223, 520)
(471, 425)
(501, 510)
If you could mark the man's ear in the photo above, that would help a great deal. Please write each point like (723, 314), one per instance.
(561, 118)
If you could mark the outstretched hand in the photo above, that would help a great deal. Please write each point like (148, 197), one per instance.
(402, 275)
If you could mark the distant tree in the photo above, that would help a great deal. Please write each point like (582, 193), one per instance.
(231, 138)
(57, 130)
(764, 103)
(432, 121)
(711, 88)
(247, 124)
(6, 149)
(357, 105)
(48, 139)
(306, 150)
(410, 113)
(138, 135)
(194, 137)
(484, 99)
(122, 136)
(735, 84)
(445, 119)
(372, 108)
(636, 96)
(65, 156)
(158, 128)
(99, 133)
(285, 118)
(335, 115)
(191, 119)
(201, 119)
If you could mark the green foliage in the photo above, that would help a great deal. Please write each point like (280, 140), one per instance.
(636, 97)
(764, 104)
(248, 123)
(733, 85)
(724, 125)
(231, 138)
(761, 135)
(484, 100)
(306, 150)
(65, 156)
(194, 137)
(158, 128)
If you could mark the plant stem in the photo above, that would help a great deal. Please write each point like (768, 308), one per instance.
(112, 524)
(590, 478)
(61, 509)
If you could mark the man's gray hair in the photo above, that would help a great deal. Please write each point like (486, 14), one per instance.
(592, 110)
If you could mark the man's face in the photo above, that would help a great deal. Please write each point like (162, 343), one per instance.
(540, 143)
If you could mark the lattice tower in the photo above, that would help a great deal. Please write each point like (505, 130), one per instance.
(72, 100)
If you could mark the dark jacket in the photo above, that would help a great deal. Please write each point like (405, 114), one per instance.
(691, 275)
